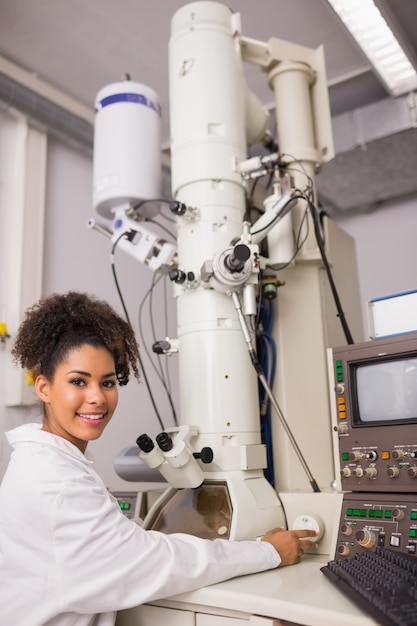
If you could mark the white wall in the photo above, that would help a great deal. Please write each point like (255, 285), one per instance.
(386, 249)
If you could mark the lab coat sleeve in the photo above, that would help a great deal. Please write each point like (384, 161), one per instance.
(106, 562)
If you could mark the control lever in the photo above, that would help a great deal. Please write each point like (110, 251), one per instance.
(255, 362)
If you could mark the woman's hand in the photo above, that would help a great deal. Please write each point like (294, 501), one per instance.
(290, 544)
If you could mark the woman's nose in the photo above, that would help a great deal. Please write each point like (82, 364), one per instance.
(96, 394)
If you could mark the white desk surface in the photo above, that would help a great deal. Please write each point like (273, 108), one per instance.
(298, 593)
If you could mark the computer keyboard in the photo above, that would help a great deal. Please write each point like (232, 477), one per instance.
(383, 583)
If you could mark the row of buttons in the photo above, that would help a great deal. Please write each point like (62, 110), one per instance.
(377, 513)
(125, 506)
(356, 455)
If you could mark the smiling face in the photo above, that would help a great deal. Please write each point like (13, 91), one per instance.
(81, 397)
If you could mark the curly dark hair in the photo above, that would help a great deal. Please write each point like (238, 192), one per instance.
(61, 322)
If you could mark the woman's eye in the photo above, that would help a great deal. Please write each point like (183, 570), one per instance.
(109, 384)
(78, 382)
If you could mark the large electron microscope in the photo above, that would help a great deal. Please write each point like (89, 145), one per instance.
(221, 150)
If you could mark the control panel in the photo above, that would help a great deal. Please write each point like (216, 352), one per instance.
(375, 395)
(130, 503)
(371, 520)
(375, 460)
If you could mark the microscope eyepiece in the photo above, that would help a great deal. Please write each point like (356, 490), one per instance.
(145, 443)
(164, 441)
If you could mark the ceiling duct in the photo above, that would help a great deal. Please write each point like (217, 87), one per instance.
(55, 119)
(376, 157)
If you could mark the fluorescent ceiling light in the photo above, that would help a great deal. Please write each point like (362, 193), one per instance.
(365, 22)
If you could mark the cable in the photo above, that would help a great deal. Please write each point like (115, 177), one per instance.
(276, 217)
(128, 320)
(277, 267)
(144, 343)
(160, 374)
(151, 221)
(320, 243)
(148, 200)
(308, 195)
(267, 357)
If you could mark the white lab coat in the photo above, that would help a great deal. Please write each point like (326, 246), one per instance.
(68, 555)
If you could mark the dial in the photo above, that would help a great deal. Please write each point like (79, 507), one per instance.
(366, 538)
(393, 472)
(341, 428)
(346, 529)
(397, 514)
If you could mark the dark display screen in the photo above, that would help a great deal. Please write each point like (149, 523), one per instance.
(385, 391)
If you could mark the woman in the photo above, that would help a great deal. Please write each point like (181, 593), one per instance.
(68, 556)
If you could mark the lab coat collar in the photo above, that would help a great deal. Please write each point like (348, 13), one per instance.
(32, 433)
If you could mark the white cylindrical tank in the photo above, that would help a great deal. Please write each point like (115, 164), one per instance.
(127, 146)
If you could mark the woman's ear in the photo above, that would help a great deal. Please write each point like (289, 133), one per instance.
(42, 387)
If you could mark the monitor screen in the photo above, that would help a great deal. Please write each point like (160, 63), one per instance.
(385, 391)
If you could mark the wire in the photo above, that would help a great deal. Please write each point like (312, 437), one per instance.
(301, 169)
(267, 358)
(149, 200)
(276, 217)
(162, 228)
(278, 267)
(116, 282)
(308, 196)
(320, 243)
(142, 367)
(159, 373)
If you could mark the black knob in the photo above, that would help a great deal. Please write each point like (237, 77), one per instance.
(177, 207)
(161, 347)
(145, 443)
(235, 261)
(177, 276)
(206, 455)
(164, 441)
